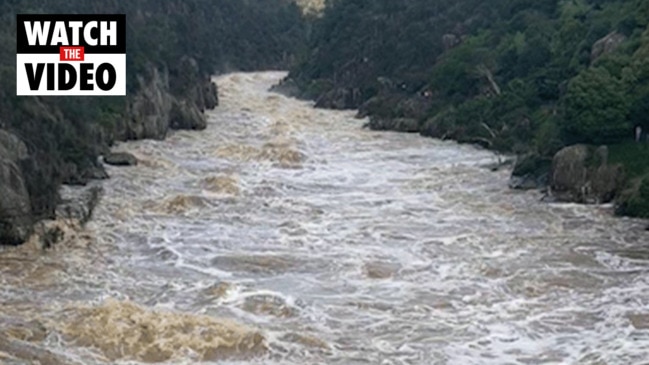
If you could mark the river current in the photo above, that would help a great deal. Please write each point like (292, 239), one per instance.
(284, 234)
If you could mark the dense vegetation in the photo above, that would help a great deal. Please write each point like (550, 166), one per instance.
(65, 135)
(522, 76)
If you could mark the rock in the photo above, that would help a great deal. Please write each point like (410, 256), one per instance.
(185, 115)
(450, 41)
(530, 172)
(148, 110)
(210, 95)
(378, 106)
(416, 107)
(607, 44)
(581, 174)
(287, 87)
(96, 173)
(15, 204)
(12, 147)
(120, 159)
(340, 98)
(407, 125)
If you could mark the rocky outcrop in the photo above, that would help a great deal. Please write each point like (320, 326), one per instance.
(15, 206)
(582, 174)
(148, 110)
(408, 125)
(450, 41)
(340, 98)
(192, 94)
(173, 98)
(120, 159)
(530, 172)
(210, 94)
(163, 98)
(186, 115)
(287, 87)
(607, 44)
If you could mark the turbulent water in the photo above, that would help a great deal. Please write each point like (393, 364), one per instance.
(285, 234)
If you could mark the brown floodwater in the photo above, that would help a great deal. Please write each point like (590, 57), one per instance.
(285, 234)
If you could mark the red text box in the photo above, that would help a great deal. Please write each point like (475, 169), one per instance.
(71, 54)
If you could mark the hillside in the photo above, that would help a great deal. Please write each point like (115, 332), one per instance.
(524, 77)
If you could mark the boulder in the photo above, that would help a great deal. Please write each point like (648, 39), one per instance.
(120, 159)
(15, 205)
(607, 44)
(582, 174)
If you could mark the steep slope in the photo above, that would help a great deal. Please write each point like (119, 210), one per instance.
(527, 77)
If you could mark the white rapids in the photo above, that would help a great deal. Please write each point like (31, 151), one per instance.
(285, 234)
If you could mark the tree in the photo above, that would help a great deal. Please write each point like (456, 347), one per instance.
(596, 108)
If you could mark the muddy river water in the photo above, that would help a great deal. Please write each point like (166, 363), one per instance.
(285, 234)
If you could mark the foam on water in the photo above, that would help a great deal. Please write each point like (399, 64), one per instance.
(285, 234)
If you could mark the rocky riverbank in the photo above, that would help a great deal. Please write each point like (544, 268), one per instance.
(166, 99)
(546, 81)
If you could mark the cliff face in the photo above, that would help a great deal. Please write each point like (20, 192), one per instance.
(30, 178)
(173, 47)
(15, 208)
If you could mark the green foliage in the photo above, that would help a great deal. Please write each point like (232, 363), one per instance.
(515, 75)
(596, 109)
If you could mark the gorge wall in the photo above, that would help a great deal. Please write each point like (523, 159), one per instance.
(173, 48)
(528, 78)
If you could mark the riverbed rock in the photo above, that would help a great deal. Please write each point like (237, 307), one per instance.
(15, 205)
(582, 174)
(120, 159)
(530, 172)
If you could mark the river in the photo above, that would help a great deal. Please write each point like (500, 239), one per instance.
(285, 234)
